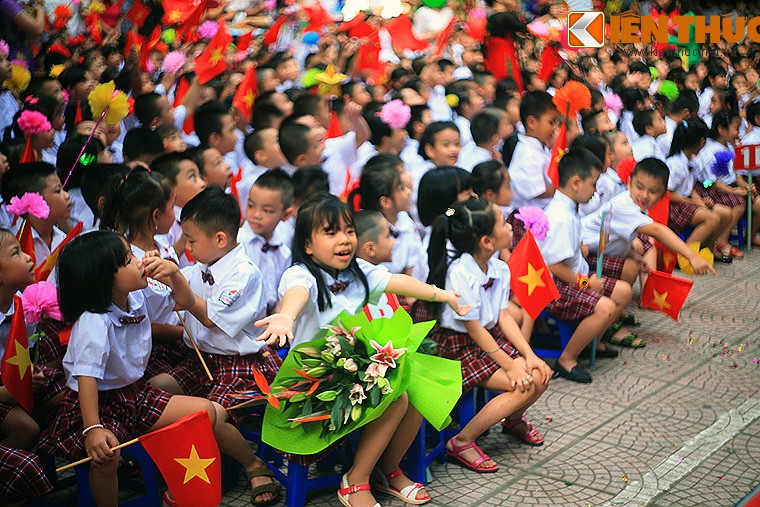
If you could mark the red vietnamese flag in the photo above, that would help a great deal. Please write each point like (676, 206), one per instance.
(148, 46)
(134, 40)
(43, 271)
(188, 457)
(212, 61)
(246, 93)
(558, 151)
(183, 85)
(665, 293)
(443, 38)
(666, 258)
(24, 236)
(402, 37)
(334, 129)
(531, 281)
(271, 35)
(193, 19)
(17, 366)
(244, 41)
(138, 13)
(318, 17)
(550, 60)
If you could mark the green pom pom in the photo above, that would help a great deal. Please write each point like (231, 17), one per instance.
(308, 80)
(669, 90)
(169, 35)
(654, 73)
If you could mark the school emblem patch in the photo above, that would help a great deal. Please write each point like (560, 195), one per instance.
(228, 297)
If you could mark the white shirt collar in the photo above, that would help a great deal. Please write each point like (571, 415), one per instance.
(226, 264)
(135, 300)
(566, 202)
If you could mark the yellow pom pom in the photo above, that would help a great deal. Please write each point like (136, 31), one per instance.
(452, 100)
(56, 70)
(106, 96)
(705, 253)
(19, 79)
(98, 7)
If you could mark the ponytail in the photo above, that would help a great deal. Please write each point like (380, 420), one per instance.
(688, 134)
(131, 200)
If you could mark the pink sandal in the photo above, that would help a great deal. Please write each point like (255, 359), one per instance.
(345, 491)
(407, 494)
(532, 437)
(475, 465)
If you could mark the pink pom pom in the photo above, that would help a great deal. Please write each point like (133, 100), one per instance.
(32, 123)
(396, 114)
(31, 203)
(4, 48)
(150, 68)
(612, 102)
(174, 61)
(20, 63)
(478, 13)
(270, 5)
(240, 56)
(41, 300)
(535, 221)
(208, 29)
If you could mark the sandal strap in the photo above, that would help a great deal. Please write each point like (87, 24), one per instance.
(397, 473)
(411, 491)
(354, 488)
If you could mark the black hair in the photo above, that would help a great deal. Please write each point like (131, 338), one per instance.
(631, 98)
(654, 167)
(577, 162)
(461, 90)
(368, 225)
(294, 140)
(69, 156)
(70, 114)
(483, 127)
(688, 134)
(377, 127)
(428, 136)
(168, 164)
(593, 143)
(86, 270)
(97, 182)
(439, 188)
(208, 120)
(642, 120)
(212, 210)
(535, 104)
(309, 181)
(753, 111)
(131, 201)
(307, 104)
(638, 67)
(463, 223)
(166, 131)
(71, 76)
(23, 178)
(688, 100)
(147, 108)
(713, 71)
(279, 181)
(141, 141)
(590, 121)
(323, 212)
(417, 112)
(488, 175)
(722, 118)
(264, 116)
(254, 142)
(378, 179)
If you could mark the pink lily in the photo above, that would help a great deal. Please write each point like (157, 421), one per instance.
(386, 355)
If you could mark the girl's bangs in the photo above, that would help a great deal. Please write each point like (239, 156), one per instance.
(330, 213)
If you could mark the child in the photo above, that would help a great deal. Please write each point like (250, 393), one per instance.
(466, 104)
(95, 185)
(485, 130)
(214, 168)
(718, 181)
(420, 119)
(715, 80)
(634, 101)
(264, 234)
(171, 138)
(382, 188)
(493, 352)
(70, 163)
(262, 150)
(41, 178)
(142, 146)
(106, 400)
(490, 181)
(683, 107)
(599, 147)
(649, 125)
(609, 184)
(596, 303)
(302, 145)
(374, 240)
(325, 280)
(687, 208)
(215, 128)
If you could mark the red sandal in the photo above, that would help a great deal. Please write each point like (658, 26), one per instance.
(407, 494)
(475, 465)
(531, 437)
(345, 491)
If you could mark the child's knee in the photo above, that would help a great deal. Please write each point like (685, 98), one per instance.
(712, 219)
(605, 308)
(622, 293)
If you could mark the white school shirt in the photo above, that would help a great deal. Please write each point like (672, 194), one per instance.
(466, 277)
(439, 108)
(6, 221)
(234, 302)
(704, 102)
(665, 140)
(528, 172)
(626, 127)
(645, 147)
(608, 186)
(563, 241)
(417, 170)
(174, 235)
(421, 269)
(272, 263)
(157, 293)
(5, 326)
(250, 173)
(625, 218)
(681, 180)
(41, 250)
(80, 212)
(351, 300)
(472, 155)
(406, 245)
(705, 160)
(339, 154)
(465, 135)
(8, 109)
(363, 154)
(103, 348)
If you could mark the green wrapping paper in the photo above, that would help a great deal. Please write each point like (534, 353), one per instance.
(433, 384)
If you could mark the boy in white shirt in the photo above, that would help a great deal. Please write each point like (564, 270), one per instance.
(649, 125)
(485, 128)
(262, 150)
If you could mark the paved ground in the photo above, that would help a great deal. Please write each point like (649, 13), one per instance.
(674, 424)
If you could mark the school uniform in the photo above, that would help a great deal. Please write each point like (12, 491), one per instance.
(233, 290)
(41, 249)
(529, 179)
(406, 246)
(645, 147)
(704, 170)
(472, 155)
(339, 155)
(487, 294)
(23, 475)
(681, 181)
(704, 102)
(563, 244)
(417, 170)
(439, 108)
(465, 135)
(80, 211)
(665, 140)
(272, 256)
(608, 186)
(346, 294)
(8, 109)
(626, 126)
(114, 348)
(250, 173)
(363, 154)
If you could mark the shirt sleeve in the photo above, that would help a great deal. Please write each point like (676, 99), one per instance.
(297, 276)
(506, 276)
(89, 341)
(378, 278)
(557, 246)
(626, 218)
(238, 301)
(526, 174)
(458, 280)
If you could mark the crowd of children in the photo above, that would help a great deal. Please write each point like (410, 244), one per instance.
(243, 229)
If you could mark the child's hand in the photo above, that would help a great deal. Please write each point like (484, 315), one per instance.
(450, 298)
(536, 363)
(98, 444)
(151, 253)
(584, 250)
(518, 377)
(596, 284)
(38, 378)
(159, 269)
(701, 266)
(279, 329)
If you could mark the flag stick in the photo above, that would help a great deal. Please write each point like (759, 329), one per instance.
(210, 377)
(89, 458)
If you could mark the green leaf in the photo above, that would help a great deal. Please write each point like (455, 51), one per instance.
(306, 407)
(336, 416)
(312, 363)
(374, 396)
(298, 398)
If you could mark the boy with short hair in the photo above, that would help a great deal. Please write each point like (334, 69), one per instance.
(649, 125)
(141, 146)
(264, 234)
(374, 239)
(486, 128)
(214, 168)
(682, 108)
(263, 152)
(301, 145)
(171, 138)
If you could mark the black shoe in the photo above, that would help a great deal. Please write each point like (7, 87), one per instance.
(629, 321)
(576, 374)
(608, 353)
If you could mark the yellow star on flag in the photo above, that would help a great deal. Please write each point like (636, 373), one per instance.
(560, 153)
(22, 360)
(533, 278)
(248, 99)
(668, 257)
(195, 466)
(175, 16)
(660, 300)
(216, 56)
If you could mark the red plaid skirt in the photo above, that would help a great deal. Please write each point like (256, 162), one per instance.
(421, 312)
(612, 266)
(21, 476)
(231, 374)
(50, 344)
(518, 228)
(477, 366)
(681, 215)
(126, 412)
(164, 356)
(574, 303)
(724, 198)
(646, 242)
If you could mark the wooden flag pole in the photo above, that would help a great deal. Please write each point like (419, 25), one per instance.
(89, 458)
(210, 377)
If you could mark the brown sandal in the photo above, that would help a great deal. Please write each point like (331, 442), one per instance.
(272, 487)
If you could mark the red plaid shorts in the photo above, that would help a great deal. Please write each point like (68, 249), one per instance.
(576, 304)
(21, 476)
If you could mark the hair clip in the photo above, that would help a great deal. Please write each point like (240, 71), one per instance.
(31, 100)
(87, 159)
(452, 99)
(685, 123)
(450, 212)
(708, 183)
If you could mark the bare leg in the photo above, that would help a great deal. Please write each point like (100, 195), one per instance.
(167, 383)
(104, 483)
(605, 313)
(706, 223)
(19, 430)
(400, 442)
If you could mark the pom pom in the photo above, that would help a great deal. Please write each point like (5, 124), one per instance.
(20, 63)
(452, 100)
(41, 300)
(19, 79)
(572, 98)
(208, 29)
(654, 73)
(4, 48)
(32, 123)
(720, 167)
(173, 62)
(612, 102)
(30, 203)
(60, 49)
(310, 38)
(669, 90)
(62, 15)
(150, 68)
(105, 97)
(56, 70)
(396, 114)
(169, 35)
(535, 221)
(97, 7)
